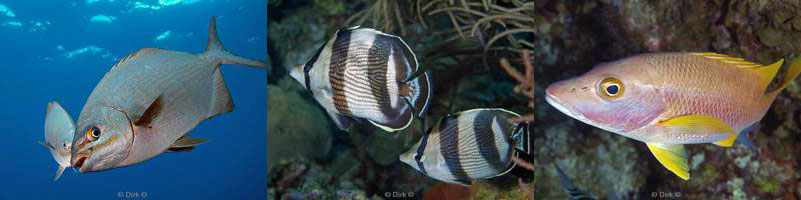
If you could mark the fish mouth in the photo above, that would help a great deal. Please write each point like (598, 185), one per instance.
(79, 163)
(567, 111)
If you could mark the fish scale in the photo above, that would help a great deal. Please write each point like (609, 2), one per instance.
(148, 101)
(670, 99)
(469, 145)
(359, 74)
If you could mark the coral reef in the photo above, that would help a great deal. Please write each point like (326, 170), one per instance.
(485, 53)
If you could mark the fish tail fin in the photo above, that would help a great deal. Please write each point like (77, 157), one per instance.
(215, 48)
(521, 138)
(789, 75)
(59, 171)
(419, 92)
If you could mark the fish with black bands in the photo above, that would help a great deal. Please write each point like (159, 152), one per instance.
(365, 74)
(469, 145)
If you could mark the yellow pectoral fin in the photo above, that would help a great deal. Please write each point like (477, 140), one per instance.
(673, 157)
(698, 124)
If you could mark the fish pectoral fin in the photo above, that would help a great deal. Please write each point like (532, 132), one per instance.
(152, 111)
(673, 157)
(697, 124)
(188, 141)
(59, 171)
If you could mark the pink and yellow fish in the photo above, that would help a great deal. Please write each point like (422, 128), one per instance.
(670, 99)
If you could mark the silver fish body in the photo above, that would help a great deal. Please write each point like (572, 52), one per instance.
(59, 130)
(469, 145)
(362, 73)
(148, 101)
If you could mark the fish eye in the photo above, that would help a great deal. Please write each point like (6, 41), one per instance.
(418, 157)
(611, 88)
(93, 133)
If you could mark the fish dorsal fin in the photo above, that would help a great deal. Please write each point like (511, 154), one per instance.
(221, 99)
(739, 62)
(673, 157)
(765, 73)
(152, 111)
(137, 53)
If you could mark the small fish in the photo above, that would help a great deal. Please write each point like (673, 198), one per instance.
(147, 103)
(59, 130)
(362, 73)
(670, 99)
(469, 145)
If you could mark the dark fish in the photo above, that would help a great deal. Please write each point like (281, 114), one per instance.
(469, 145)
(362, 73)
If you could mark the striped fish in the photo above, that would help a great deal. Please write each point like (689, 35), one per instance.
(362, 73)
(59, 130)
(469, 145)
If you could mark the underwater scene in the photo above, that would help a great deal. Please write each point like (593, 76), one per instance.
(517, 99)
(118, 93)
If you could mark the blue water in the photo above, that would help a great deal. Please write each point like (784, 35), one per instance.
(35, 70)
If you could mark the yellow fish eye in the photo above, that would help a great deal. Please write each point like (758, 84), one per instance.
(611, 88)
(93, 133)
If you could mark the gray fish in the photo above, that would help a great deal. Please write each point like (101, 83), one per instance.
(148, 101)
(59, 130)
(362, 73)
(469, 145)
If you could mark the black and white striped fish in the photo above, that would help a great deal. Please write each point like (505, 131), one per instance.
(469, 145)
(363, 73)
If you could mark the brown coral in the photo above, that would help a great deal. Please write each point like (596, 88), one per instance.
(526, 81)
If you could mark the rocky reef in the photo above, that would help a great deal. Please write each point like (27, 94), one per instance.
(464, 44)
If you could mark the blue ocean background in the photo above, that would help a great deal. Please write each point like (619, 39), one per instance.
(59, 50)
